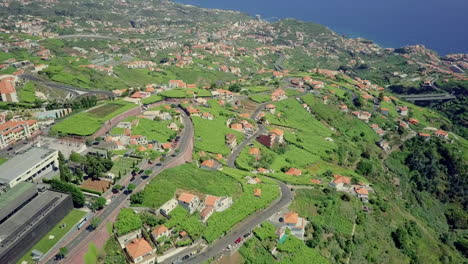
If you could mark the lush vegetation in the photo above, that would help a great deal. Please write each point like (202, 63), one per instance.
(189, 178)
(86, 123)
(127, 221)
(292, 250)
(59, 230)
(77, 194)
(27, 93)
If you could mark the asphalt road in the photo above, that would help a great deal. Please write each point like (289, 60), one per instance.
(121, 199)
(244, 227)
(248, 224)
(232, 158)
(67, 88)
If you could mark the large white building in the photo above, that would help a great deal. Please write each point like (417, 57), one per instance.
(13, 131)
(28, 166)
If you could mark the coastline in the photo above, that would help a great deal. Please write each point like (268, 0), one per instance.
(386, 34)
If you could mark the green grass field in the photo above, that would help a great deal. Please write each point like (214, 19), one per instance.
(338, 215)
(152, 99)
(153, 130)
(258, 89)
(292, 250)
(124, 165)
(185, 93)
(86, 123)
(210, 135)
(229, 182)
(45, 244)
(91, 257)
(260, 98)
(2, 160)
(27, 93)
(188, 177)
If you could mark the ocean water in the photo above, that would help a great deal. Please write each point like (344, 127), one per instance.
(441, 25)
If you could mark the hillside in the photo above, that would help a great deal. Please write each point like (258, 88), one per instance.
(376, 177)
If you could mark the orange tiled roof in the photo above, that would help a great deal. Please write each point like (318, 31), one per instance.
(186, 197)
(160, 230)
(236, 126)
(138, 247)
(254, 151)
(315, 181)
(211, 200)
(258, 192)
(294, 172)
(341, 179)
(277, 131)
(291, 218)
(441, 132)
(209, 163)
(362, 191)
(7, 85)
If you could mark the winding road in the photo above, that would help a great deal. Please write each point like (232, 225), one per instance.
(80, 242)
(247, 225)
(74, 91)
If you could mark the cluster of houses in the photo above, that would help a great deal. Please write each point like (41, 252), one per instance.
(140, 142)
(242, 126)
(344, 184)
(140, 251)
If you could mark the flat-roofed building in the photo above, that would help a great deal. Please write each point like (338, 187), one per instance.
(29, 217)
(28, 166)
(17, 197)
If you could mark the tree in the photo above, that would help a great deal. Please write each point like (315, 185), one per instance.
(151, 220)
(98, 203)
(76, 157)
(364, 167)
(137, 198)
(235, 88)
(77, 195)
(95, 222)
(96, 166)
(131, 187)
(117, 187)
(63, 251)
(65, 173)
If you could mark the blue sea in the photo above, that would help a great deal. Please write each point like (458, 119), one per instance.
(441, 25)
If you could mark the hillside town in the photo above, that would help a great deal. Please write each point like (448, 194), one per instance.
(166, 133)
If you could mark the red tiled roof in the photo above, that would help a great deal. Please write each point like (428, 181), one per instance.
(294, 172)
(7, 85)
(277, 131)
(211, 200)
(208, 163)
(341, 179)
(186, 197)
(160, 230)
(441, 133)
(138, 247)
(291, 218)
(258, 192)
(360, 190)
(254, 151)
